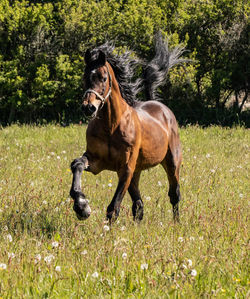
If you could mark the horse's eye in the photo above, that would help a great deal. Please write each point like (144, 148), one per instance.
(104, 79)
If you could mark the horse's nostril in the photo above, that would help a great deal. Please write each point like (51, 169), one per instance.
(92, 108)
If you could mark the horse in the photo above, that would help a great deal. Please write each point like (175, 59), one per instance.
(124, 134)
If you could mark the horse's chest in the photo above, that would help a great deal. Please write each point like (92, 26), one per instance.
(103, 154)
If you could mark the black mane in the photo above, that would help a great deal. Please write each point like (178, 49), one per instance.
(154, 72)
(124, 67)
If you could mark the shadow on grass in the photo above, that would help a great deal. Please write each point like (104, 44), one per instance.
(42, 224)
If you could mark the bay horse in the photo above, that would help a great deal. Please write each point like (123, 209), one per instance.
(126, 135)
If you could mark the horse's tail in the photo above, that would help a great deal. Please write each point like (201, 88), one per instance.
(156, 70)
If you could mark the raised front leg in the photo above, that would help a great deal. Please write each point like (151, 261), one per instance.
(81, 204)
(124, 181)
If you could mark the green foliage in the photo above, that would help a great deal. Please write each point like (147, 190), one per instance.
(43, 44)
(49, 253)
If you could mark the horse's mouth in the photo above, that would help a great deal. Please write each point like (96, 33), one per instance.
(89, 117)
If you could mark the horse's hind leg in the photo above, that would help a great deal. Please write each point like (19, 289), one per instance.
(137, 207)
(171, 164)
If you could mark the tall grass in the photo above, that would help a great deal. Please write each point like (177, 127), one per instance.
(45, 252)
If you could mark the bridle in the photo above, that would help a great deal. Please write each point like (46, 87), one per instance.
(100, 97)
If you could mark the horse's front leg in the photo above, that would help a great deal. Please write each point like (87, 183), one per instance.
(81, 205)
(125, 177)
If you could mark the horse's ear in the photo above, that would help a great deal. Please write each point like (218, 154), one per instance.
(87, 57)
(101, 58)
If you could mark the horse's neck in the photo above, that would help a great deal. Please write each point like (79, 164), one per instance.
(114, 107)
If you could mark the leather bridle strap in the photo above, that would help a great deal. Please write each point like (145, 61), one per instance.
(100, 97)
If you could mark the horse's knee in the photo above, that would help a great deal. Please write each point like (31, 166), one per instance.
(79, 164)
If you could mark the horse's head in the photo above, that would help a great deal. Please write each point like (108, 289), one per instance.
(97, 81)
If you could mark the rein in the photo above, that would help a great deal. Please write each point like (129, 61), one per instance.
(100, 97)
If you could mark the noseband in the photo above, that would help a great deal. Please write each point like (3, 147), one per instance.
(100, 97)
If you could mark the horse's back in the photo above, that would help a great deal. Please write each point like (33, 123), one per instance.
(157, 113)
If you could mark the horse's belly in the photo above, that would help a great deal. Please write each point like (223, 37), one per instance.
(154, 145)
(151, 157)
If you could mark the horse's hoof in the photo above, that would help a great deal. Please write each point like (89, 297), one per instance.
(82, 208)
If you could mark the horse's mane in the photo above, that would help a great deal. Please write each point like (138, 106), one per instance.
(124, 65)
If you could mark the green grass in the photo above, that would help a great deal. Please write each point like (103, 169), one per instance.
(155, 259)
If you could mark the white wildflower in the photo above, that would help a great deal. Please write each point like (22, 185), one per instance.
(190, 263)
(9, 238)
(45, 202)
(123, 228)
(95, 275)
(38, 258)
(84, 252)
(48, 259)
(212, 170)
(110, 185)
(144, 266)
(63, 152)
(55, 244)
(106, 228)
(208, 155)
(5, 228)
(58, 268)
(184, 266)
(3, 266)
(124, 255)
(58, 157)
(193, 273)
(147, 197)
(159, 183)
(241, 195)
(192, 238)
(180, 239)
(11, 255)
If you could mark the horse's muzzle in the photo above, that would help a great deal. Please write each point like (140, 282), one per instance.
(88, 110)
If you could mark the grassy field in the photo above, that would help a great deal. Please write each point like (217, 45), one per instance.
(45, 252)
